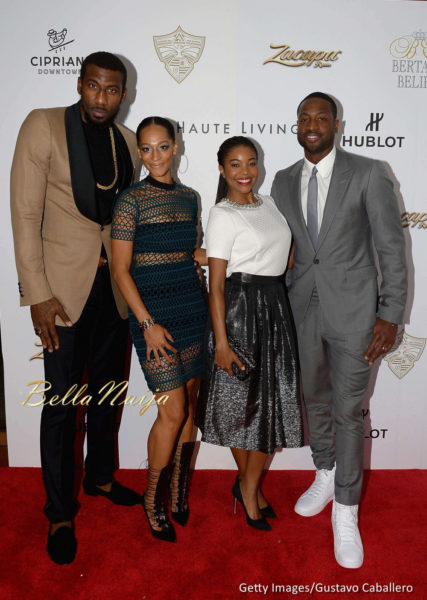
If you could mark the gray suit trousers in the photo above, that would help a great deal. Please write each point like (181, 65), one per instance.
(335, 377)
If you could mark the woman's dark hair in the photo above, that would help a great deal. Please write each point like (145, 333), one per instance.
(225, 148)
(161, 121)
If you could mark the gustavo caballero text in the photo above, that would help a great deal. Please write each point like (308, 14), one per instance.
(317, 586)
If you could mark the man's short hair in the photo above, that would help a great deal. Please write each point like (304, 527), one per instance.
(104, 60)
(324, 97)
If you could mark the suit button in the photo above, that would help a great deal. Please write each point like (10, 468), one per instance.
(316, 261)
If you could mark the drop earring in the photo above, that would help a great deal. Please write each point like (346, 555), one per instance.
(181, 170)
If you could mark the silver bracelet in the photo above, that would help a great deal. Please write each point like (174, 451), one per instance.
(146, 324)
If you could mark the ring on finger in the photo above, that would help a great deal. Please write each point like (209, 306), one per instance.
(38, 331)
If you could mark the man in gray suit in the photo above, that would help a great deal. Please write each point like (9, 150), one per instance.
(339, 206)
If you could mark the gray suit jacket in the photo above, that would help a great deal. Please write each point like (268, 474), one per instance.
(361, 208)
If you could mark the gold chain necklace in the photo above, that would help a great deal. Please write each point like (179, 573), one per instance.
(116, 170)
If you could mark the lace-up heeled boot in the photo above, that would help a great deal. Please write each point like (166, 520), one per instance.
(155, 505)
(180, 482)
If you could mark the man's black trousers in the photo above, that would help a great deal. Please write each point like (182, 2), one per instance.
(97, 343)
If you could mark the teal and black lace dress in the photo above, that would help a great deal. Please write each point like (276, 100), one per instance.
(161, 221)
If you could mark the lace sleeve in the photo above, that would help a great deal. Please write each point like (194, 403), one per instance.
(125, 217)
(196, 209)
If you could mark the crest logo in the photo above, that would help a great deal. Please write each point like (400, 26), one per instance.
(57, 39)
(407, 350)
(179, 51)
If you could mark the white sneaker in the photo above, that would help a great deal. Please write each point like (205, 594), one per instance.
(348, 545)
(318, 495)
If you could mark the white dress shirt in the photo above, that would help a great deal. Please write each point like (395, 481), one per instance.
(324, 172)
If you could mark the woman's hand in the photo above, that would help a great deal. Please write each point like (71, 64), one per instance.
(225, 357)
(199, 256)
(157, 342)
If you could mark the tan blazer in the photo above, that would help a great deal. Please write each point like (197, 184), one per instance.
(57, 248)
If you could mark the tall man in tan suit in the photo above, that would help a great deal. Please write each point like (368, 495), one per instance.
(69, 166)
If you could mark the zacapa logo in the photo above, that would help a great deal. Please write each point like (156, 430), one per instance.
(288, 57)
(413, 220)
(179, 51)
(372, 136)
(56, 61)
(407, 350)
(409, 54)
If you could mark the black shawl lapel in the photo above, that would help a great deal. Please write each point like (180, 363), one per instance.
(124, 160)
(82, 179)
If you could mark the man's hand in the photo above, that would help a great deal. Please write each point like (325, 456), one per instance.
(382, 340)
(43, 316)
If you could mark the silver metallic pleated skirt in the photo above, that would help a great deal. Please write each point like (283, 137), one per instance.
(262, 412)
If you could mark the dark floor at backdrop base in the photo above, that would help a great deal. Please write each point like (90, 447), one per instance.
(217, 554)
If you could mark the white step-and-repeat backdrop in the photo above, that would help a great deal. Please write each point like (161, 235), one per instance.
(238, 67)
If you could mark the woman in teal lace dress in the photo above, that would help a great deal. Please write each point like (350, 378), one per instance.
(153, 241)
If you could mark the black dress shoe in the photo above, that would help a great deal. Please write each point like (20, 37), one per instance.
(62, 545)
(119, 494)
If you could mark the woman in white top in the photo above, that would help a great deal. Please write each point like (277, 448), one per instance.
(249, 397)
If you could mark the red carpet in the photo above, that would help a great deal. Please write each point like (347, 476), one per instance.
(217, 552)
